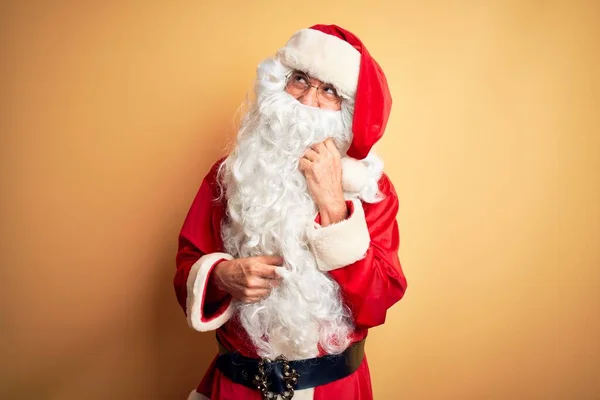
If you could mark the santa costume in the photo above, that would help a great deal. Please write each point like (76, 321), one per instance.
(306, 339)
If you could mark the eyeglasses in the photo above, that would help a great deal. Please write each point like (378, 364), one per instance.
(298, 83)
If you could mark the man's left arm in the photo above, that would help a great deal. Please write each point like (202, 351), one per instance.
(361, 254)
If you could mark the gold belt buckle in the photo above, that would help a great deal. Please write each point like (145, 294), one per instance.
(290, 378)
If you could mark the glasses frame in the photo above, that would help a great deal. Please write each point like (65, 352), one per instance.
(309, 86)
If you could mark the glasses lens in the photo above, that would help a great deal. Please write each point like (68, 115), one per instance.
(298, 82)
(328, 94)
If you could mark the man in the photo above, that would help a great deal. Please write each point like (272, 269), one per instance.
(290, 248)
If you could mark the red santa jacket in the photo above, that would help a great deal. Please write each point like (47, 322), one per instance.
(360, 253)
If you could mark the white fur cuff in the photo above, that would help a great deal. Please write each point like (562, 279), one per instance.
(342, 243)
(196, 288)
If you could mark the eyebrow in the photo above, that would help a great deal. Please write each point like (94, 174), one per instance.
(309, 76)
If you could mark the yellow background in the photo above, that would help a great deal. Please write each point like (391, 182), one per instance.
(112, 112)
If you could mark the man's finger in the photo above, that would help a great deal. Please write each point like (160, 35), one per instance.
(268, 272)
(304, 164)
(270, 260)
(330, 144)
(311, 155)
(255, 298)
(254, 292)
(258, 283)
(259, 294)
(275, 282)
(319, 147)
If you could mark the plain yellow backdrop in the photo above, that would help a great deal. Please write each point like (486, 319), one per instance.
(113, 111)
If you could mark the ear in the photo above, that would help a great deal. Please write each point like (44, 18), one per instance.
(355, 175)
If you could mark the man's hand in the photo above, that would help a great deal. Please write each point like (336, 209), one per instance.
(322, 167)
(248, 279)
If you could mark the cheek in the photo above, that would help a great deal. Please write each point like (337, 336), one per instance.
(290, 93)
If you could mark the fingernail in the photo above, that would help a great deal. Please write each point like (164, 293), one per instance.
(284, 273)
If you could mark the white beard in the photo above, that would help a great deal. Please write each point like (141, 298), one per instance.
(269, 208)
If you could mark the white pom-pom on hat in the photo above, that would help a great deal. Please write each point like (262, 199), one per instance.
(355, 175)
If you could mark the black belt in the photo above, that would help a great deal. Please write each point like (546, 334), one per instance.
(282, 377)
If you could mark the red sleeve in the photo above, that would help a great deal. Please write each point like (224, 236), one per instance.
(373, 284)
(197, 255)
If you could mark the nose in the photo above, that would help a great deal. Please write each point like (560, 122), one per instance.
(310, 97)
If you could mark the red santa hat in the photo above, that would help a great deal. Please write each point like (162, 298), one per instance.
(334, 55)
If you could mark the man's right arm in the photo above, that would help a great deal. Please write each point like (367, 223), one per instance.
(207, 279)
(205, 305)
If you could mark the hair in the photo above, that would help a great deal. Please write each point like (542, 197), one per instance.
(269, 208)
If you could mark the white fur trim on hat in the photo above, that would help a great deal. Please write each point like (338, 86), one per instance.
(325, 57)
(341, 243)
(196, 286)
